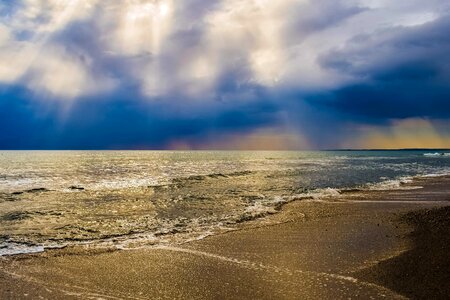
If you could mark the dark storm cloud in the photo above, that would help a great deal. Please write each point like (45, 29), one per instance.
(117, 123)
(311, 18)
(141, 74)
(405, 73)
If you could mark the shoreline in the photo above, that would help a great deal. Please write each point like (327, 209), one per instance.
(310, 248)
(256, 213)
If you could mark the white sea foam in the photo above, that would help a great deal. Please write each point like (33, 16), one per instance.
(324, 193)
(439, 174)
(15, 249)
(437, 154)
(317, 195)
(335, 193)
(256, 208)
(394, 184)
(266, 205)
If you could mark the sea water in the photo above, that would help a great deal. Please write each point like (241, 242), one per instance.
(127, 199)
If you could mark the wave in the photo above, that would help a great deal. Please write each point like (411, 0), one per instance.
(401, 183)
(178, 231)
(15, 216)
(125, 183)
(394, 184)
(319, 194)
(7, 248)
(437, 154)
(210, 176)
(431, 175)
(31, 191)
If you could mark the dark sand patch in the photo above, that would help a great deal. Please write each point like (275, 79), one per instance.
(424, 271)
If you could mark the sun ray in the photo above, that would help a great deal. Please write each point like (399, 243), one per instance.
(35, 45)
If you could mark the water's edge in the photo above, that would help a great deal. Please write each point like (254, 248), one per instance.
(177, 237)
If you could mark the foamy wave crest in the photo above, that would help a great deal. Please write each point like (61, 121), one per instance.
(7, 249)
(262, 208)
(326, 193)
(437, 154)
(394, 184)
(438, 174)
(317, 195)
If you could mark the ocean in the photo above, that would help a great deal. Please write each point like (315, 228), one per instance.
(130, 199)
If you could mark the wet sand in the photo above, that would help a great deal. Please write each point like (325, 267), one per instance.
(424, 271)
(379, 244)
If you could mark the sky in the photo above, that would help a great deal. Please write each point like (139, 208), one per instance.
(224, 74)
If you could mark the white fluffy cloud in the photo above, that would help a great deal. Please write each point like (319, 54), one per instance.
(165, 46)
(136, 27)
(29, 57)
(60, 74)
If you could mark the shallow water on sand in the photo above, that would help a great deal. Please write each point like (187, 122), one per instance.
(127, 198)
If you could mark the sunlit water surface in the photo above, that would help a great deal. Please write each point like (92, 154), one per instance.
(130, 198)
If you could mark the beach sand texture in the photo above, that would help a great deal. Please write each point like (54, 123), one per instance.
(367, 245)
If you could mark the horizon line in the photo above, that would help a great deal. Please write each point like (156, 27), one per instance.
(243, 150)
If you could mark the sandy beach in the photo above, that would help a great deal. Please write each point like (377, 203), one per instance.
(367, 245)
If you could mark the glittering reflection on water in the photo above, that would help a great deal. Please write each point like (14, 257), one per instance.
(126, 198)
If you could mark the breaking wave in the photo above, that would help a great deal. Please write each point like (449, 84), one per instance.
(130, 201)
